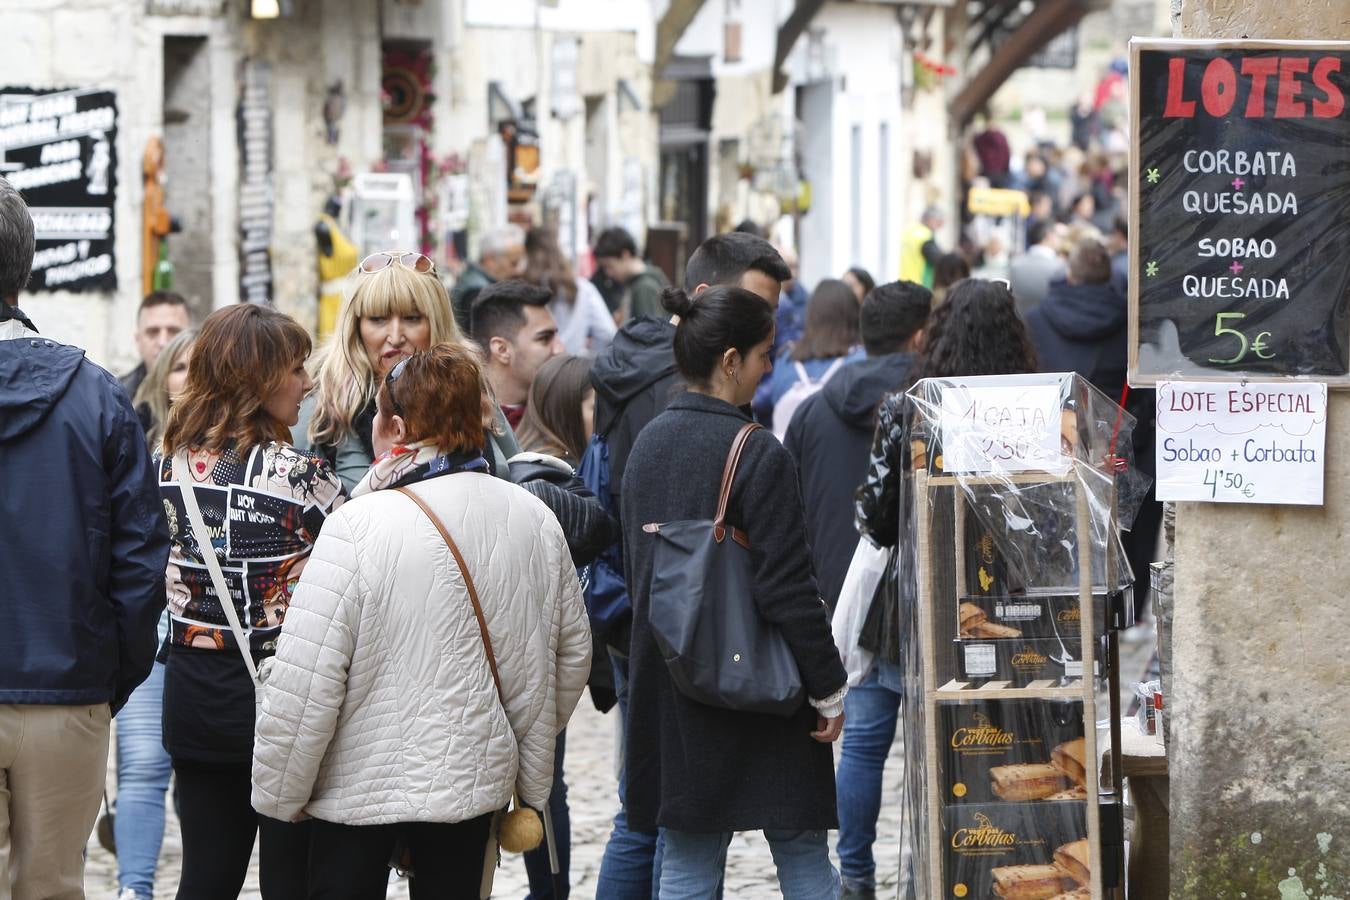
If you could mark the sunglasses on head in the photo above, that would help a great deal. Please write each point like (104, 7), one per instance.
(376, 262)
(394, 375)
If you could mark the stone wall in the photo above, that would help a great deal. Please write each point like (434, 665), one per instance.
(117, 45)
(1260, 759)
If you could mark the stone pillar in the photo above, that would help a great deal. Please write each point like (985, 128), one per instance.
(1260, 754)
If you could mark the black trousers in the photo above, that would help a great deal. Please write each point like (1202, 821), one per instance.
(219, 825)
(351, 862)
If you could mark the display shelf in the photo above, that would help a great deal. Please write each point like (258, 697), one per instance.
(939, 596)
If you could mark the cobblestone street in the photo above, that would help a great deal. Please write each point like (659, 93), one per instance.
(591, 790)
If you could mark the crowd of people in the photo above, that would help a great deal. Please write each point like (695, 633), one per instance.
(216, 552)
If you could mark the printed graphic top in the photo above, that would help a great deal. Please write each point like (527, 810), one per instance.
(263, 511)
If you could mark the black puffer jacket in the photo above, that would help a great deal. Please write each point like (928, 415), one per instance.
(588, 528)
(884, 513)
(691, 766)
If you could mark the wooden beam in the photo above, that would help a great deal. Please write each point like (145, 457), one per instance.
(674, 22)
(791, 30)
(1049, 19)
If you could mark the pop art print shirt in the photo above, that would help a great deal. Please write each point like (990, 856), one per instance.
(263, 512)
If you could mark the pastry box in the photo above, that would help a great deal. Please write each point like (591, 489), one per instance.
(1016, 851)
(1011, 751)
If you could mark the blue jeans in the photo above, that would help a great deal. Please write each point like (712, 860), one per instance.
(870, 712)
(542, 885)
(694, 862)
(631, 867)
(143, 770)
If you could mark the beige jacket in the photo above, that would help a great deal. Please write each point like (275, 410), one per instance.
(380, 706)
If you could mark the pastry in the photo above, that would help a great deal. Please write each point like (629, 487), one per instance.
(1069, 758)
(1077, 792)
(1080, 894)
(992, 630)
(1035, 781)
(1028, 882)
(1074, 860)
(971, 615)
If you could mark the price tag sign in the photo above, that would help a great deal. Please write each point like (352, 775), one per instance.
(1241, 443)
(1002, 429)
(1238, 217)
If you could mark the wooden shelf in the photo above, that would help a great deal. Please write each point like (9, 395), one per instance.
(933, 633)
(1037, 690)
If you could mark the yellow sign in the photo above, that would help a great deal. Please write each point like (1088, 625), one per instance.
(998, 202)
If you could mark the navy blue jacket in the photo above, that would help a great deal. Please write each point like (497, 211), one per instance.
(83, 541)
(1082, 328)
(830, 437)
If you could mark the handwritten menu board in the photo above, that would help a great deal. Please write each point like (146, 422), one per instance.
(1239, 210)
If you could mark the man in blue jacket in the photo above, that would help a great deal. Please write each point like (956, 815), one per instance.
(83, 547)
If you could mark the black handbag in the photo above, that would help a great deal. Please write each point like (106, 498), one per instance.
(702, 611)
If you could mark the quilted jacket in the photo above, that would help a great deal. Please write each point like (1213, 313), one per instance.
(380, 706)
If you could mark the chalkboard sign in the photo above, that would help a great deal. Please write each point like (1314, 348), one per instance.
(1239, 210)
(58, 148)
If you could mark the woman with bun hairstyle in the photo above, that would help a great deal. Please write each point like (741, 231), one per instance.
(700, 772)
(393, 305)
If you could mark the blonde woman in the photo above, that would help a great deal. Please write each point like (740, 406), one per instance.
(394, 305)
(162, 385)
(143, 765)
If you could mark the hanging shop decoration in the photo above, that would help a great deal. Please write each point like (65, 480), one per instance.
(59, 149)
(408, 119)
(256, 198)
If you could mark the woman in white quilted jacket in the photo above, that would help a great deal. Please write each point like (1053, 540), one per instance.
(380, 717)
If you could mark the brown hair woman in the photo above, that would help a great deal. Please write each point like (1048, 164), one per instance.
(263, 504)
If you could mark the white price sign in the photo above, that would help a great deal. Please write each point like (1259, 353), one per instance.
(1241, 443)
(1002, 429)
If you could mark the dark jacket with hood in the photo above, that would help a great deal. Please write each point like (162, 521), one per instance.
(1082, 328)
(696, 767)
(634, 380)
(830, 437)
(83, 541)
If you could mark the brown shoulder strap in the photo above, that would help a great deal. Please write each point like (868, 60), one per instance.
(728, 476)
(468, 583)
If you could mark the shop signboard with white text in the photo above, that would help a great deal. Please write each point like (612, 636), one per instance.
(58, 148)
(1241, 442)
(1239, 211)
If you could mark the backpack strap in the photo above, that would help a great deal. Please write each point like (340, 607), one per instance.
(802, 374)
(834, 367)
(724, 495)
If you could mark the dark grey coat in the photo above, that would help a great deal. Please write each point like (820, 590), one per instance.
(695, 767)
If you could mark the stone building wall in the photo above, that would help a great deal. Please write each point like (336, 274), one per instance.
(1260, 753)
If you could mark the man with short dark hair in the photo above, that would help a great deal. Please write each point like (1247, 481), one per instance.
(501, 255)
(634, 380)
(830, 436)
(83, 549)
(1030, 273)
(512, 324)
(616, 255)
(159, 319)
